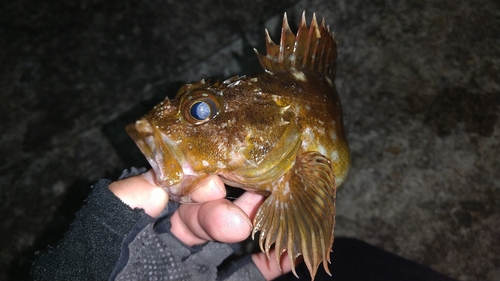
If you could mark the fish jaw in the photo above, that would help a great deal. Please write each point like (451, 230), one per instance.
(167, 160)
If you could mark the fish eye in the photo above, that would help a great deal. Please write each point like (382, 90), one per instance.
(202, 110)
(200, 106)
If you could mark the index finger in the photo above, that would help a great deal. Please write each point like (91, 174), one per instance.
(209, 189)
(249, 202)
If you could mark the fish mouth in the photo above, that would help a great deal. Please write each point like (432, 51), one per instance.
(164, 156)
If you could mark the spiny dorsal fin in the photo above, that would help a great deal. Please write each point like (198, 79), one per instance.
(311, 49)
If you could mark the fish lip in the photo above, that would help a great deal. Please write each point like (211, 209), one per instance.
(165, 157)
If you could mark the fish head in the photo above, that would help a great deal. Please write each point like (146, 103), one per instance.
(227, 128)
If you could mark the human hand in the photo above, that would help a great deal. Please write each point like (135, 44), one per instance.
(211, 218)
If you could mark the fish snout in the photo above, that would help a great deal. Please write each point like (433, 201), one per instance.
(162, 154)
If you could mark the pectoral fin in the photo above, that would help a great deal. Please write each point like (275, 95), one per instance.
(299, 215)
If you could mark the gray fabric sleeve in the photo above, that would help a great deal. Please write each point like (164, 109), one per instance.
(156, 254)
(91, 246)
(109, 241)
(242, 270)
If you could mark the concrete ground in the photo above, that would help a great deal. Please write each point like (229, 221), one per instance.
(419, 82)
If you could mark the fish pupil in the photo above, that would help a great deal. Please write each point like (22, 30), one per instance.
(200, 110)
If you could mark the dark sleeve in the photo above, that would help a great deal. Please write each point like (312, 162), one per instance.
(152, 252)
(91, 247)
(110, 241)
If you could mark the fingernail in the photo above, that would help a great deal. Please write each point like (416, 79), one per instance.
(243, 216)
(215, 186)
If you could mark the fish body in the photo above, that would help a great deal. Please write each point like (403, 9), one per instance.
(279, 133)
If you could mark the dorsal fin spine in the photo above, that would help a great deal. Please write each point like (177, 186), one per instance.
(285, 29)
(312, 49)
(301, 49)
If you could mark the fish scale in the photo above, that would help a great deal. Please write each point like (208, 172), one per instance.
(278, 133)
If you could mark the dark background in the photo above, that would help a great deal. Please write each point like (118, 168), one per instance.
(419, 82)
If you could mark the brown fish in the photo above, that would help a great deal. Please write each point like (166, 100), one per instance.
(279, 133)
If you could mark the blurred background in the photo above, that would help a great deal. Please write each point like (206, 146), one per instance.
(419, 82)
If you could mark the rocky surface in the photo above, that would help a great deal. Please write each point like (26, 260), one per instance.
(419, 82)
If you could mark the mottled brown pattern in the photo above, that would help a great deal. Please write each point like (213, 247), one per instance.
(279, 133)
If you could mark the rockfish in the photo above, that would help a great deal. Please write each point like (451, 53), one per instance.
(279, 133)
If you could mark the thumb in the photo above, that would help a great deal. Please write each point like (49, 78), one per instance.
(141, 192)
